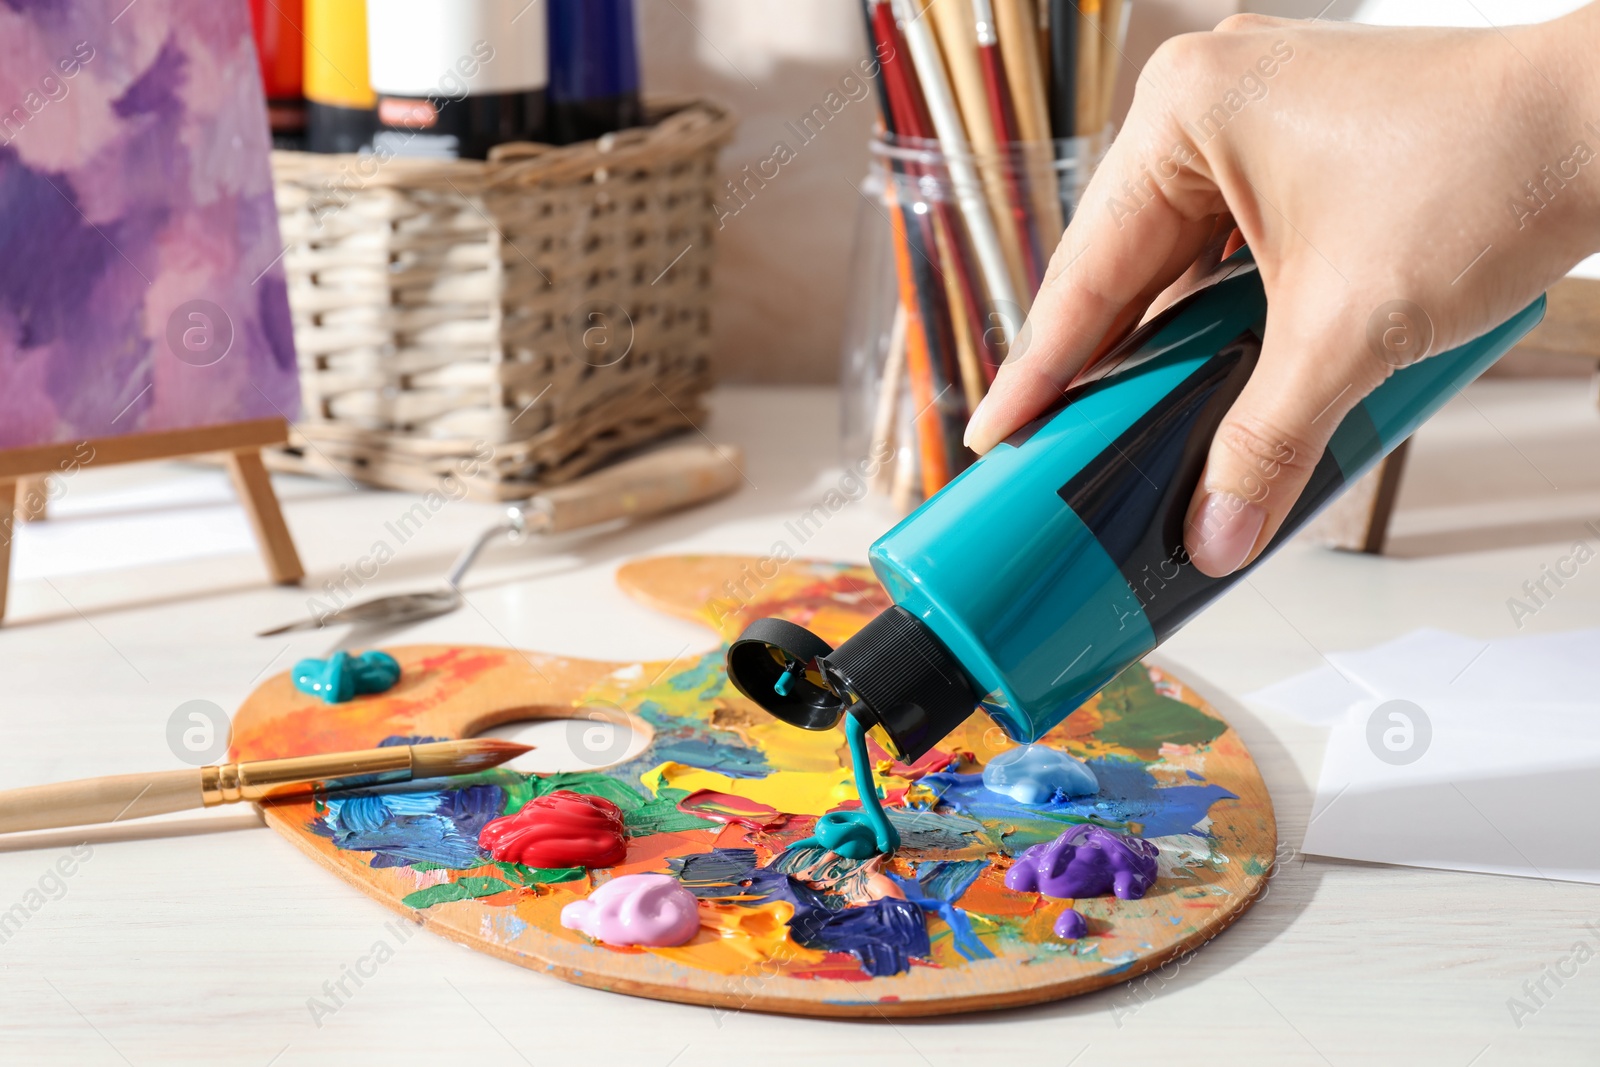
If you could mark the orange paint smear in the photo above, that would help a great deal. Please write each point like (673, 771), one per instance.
(362, 723)
(838, 967)
(989, 896)
(1077, 726)
(739, 940)
(501, 900)
(542, 910)
(444, 675)
(1040, 926)
(833, 606)
(648, 855)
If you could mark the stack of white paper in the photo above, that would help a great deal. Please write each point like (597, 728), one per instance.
(1453, 752)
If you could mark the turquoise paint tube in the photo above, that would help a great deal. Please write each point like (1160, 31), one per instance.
(1056, 561)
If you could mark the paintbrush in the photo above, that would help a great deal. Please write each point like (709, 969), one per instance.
(1088, 98)
(133, 796)
(936, 92)
(956, 28)
(1002, 109)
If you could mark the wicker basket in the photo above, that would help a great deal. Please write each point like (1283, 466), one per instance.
(513, 322)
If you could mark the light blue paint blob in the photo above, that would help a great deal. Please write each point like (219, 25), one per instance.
(342, 676)
(856, 835)
(1038, 774)
(1129, 795)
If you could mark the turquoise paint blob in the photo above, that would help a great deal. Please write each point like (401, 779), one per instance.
(781, 686)
(856, 835)
(1038, 774)
(342, 676)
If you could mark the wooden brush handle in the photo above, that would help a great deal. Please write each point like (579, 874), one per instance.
(657, 482)
(90, 800)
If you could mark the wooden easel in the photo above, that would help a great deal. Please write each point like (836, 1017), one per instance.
(1359, 520)
(239, 442)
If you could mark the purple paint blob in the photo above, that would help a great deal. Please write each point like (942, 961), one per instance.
(1086, 861)
(636, 909)
(1071, 925)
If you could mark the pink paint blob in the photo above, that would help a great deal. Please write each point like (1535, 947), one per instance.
(636, 909)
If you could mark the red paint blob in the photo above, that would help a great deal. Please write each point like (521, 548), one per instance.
(560, 829)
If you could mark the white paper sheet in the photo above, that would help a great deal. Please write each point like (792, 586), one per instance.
(1434, 665)
(1501, 787)
(1458, 753)
(1320, 696)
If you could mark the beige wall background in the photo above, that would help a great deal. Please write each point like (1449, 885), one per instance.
(783, 269)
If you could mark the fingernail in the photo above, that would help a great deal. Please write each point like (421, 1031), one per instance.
(977, 414)
(1223, 532)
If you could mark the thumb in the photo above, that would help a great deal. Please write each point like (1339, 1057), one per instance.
(1313, 369)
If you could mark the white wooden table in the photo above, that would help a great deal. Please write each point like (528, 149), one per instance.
(202, 939)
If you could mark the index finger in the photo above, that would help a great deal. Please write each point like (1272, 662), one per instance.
(1126, 244)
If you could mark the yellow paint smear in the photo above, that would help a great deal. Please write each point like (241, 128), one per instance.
(816, 751)
(944, 946)
(835, 623)
(792, 792)
(737, 940)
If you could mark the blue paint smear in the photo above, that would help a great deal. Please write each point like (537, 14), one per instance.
(404, 828)
(921, 829)
(1128, 794)
(883, 936)
(510, 926)
(733, 760)
(369, 812)
(949, 879)
(696, 745)
(732, 872)
(938, 885)
(706, 676)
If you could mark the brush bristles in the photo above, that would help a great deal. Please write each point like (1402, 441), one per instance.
(440, 759)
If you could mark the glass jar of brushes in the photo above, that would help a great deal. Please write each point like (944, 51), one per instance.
(950, 249)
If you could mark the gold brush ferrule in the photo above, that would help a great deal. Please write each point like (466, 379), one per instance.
(228, 783)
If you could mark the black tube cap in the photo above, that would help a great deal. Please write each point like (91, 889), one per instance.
(894, 670)
(774, 663)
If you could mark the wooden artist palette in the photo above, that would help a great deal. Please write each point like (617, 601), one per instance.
(1170, 770)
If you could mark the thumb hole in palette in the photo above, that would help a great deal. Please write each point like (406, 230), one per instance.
(589, 738)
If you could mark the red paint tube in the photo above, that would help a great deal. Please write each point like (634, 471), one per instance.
(276, 25)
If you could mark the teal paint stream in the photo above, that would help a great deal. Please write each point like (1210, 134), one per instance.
(856, 835)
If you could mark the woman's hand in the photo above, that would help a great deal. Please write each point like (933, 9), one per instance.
(1402, 190)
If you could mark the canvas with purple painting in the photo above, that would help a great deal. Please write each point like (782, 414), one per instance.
(140, 280)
